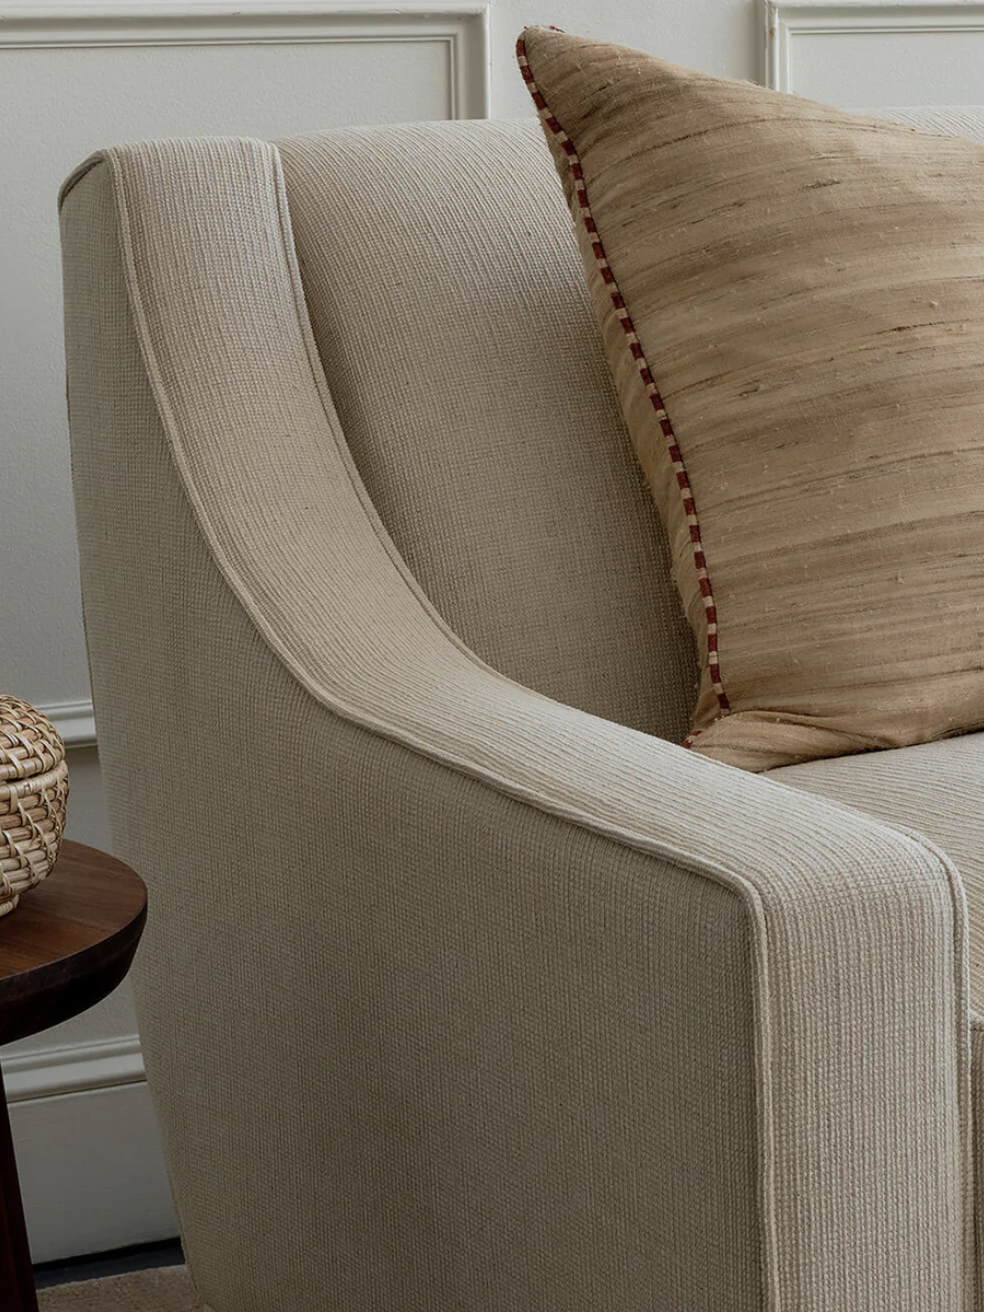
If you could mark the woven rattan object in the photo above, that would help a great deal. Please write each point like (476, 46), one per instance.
(33, 798)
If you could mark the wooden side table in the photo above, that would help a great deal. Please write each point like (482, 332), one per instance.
(68, 945)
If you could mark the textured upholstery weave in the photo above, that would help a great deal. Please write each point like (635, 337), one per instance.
(453, 995)
(977, 1087)
(791, 303)
(463, 359)
(936, 788)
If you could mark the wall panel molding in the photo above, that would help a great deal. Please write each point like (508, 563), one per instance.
(445, 43)
(75, 721)
(791, 27)
(464, 27)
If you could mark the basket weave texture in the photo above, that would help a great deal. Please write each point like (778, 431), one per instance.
(33, 798)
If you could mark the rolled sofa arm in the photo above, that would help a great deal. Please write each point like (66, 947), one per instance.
(582, 1019)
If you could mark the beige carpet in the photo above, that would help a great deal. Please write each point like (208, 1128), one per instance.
(166, 1289)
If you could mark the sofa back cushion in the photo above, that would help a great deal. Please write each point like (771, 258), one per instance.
(448, 303)
(792, 305)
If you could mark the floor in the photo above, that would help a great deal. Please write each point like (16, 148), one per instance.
(118, 1262)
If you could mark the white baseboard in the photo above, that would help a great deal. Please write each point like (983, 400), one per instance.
(79, 1068)
(88, 1149)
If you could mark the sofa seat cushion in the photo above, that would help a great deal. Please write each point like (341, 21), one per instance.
(934, 788)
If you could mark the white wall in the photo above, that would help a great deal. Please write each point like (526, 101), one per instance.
(68, 87)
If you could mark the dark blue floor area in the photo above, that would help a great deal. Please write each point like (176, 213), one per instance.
(121, 1260)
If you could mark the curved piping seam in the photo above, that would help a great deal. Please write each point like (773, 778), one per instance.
(332, 701)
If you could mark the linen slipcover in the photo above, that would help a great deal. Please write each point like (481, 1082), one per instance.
(454, 994)
(542, 546)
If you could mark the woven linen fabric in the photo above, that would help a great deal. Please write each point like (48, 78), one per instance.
(464, 362)
(456, 996)
(793, 310)
(168, 1289)
(936, 788)
(977, 1049)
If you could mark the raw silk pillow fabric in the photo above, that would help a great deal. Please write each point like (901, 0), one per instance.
(792, 304)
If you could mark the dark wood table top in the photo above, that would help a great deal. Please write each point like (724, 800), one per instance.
(69, 942)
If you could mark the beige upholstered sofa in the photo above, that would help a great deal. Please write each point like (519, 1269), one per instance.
(464, 986)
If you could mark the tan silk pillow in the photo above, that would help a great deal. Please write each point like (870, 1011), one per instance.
(792, 304)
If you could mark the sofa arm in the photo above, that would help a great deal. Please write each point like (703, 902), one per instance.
(766, 988)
